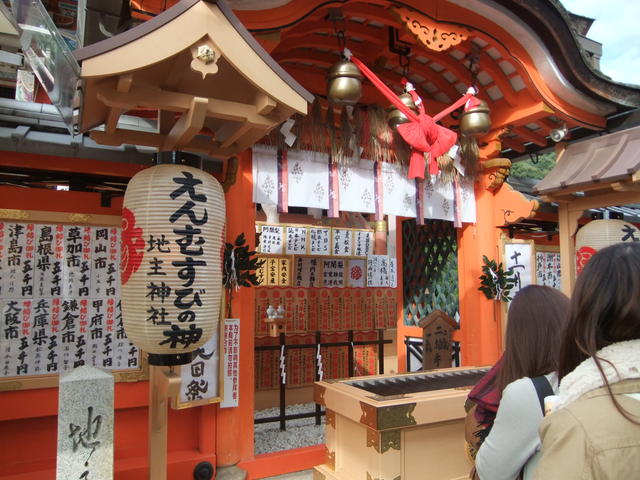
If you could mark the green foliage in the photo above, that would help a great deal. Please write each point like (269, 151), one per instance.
(495, 282)
(538, 170)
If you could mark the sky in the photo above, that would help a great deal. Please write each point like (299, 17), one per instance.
(616, 27)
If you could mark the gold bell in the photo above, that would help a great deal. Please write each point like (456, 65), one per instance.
(344, 83)
(476, 121)
(395, 117)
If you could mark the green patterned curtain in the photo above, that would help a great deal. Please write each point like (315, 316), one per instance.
(430, 269)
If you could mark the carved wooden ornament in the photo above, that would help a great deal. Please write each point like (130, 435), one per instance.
(433, 35)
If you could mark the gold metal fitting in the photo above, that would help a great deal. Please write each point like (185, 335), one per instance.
(380, 226)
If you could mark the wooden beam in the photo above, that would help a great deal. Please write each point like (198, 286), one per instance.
(237, 134)
(123, 85)
(530, 136)
(166, 120)
(181, 102)
(605, 200)
(520, 116)
(626, 186)
(133, 137)
(265, 104)
(513, 144)
(188, 126)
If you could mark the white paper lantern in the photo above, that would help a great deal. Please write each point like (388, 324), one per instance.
(598, 234)
(172, 238)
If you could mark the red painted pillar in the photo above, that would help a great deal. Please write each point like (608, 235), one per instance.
(234, 426)
(480, 324)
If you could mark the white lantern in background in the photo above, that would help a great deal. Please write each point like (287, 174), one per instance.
(598, 234)
(172, 238)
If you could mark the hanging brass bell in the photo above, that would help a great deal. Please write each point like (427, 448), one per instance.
(476, 121)
(395, 117)
(344, 83)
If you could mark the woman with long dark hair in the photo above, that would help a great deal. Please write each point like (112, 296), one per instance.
(594, 428)
(536, 319)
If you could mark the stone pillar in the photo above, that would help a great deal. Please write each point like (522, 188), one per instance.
(85, 425)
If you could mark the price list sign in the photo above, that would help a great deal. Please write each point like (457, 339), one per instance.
(341, 242)
(296, 240)
(59, 300)
(363, 243)
(306, 273)
(333, 273)
(319, 241)
(378, 271)
(271, 239)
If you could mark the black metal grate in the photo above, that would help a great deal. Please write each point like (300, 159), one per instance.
(422, 382)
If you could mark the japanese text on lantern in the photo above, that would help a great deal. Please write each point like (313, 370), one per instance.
(183, 330)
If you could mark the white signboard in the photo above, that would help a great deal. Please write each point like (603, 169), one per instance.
(296, 240)
(200, 379)
(517, 258)
(333, 272)
(306, 272)
(60, 300)
(319, 241)
(363, 245)
(548, 269)
(231, 366)
(271, 239)
(378, 271)
(356, 272)
(341, 242)
(393, 272)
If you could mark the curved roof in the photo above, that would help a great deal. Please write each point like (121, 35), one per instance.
(527, 60)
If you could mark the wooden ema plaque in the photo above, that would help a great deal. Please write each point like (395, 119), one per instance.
(436, 340)
(389, 427)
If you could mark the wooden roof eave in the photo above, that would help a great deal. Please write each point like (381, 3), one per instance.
(114, 82)
(598, 166)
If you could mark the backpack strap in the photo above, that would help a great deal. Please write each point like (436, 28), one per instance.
(543, 389)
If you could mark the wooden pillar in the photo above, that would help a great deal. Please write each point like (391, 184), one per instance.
(234, 426)
(567, 224)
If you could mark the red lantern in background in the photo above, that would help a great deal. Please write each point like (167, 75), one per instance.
(598, 234)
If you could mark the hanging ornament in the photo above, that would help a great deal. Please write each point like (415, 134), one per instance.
(344, 83)
(474, 122)
(395, 117)
(425, 137)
